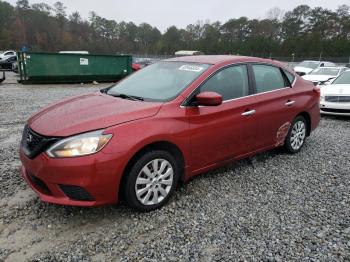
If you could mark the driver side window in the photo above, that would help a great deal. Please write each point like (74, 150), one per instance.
(231, 83)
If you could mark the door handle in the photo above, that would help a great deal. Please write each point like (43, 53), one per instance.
(249, 113)
(289, 103)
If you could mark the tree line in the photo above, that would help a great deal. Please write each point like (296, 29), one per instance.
(301, 32)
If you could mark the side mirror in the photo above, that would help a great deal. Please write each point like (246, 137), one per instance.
(209, 99)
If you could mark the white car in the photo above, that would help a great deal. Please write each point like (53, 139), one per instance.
(322, 75)
(335, 98)
(6, 54)
(307, 66)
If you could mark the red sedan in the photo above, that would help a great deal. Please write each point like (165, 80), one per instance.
(164, 124)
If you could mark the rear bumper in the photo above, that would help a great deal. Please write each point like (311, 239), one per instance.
(330, 108)
(85, 181)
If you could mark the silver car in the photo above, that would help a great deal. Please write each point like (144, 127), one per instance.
(321, 75)
(335, 97)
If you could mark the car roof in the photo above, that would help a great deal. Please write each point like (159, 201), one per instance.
(217, 59)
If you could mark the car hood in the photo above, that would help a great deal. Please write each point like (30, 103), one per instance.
(335, 90)
(317, 77)
(89, 112)
(302, 69)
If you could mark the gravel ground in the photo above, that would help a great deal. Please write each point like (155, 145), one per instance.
(273, 207)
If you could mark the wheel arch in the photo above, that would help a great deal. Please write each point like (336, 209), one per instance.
(307, 117)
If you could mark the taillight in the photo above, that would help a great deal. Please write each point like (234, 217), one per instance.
(317, 90)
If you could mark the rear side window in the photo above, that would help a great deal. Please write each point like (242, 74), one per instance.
(290, 76)
(231, 82)
(268, 78)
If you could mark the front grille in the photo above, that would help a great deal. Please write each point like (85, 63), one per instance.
(76, 193)
(31, 139)
(40, 185)
(338, 99)
(33, 143)
(331, 110)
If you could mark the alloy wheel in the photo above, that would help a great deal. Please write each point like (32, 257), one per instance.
(298, 135)
(154, 182)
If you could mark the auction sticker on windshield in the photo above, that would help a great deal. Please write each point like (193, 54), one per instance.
(191, 68)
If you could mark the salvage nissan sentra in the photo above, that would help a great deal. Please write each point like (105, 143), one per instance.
(137, 139)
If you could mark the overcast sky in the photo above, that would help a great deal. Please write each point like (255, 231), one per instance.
(164, 13)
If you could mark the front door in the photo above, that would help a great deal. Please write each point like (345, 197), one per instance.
(222, 132)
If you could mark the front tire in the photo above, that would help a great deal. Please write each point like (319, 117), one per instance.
(151, 180)
(296, 136)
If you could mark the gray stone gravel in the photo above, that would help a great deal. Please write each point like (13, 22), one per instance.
(273, 207)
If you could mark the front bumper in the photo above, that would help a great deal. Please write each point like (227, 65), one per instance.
(330, 108)
(82, 181)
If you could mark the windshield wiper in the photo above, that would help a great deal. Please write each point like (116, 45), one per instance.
(125, 96)
(104, 90)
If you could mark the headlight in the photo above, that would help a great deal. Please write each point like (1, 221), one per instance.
(322, 98)
(80, 145)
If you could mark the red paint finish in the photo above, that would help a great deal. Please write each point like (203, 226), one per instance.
(207, 136)
(221, 133)
(88, 112)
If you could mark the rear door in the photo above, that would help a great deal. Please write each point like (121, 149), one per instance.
(275, 106)
(222, 132)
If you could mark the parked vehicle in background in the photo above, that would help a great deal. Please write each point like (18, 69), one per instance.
(166, 123)
(321, 75)
(335, 98)
(7, 54)
(15, 67)
(188, 53)
(6, 63)
(307, 66)
(139, 63)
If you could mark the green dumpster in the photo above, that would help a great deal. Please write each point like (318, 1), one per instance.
(35, 67)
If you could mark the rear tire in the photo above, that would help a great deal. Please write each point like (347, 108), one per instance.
(296, 136)
(151, 180)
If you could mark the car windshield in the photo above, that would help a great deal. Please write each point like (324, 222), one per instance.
(343, 79)
(162, 81)
(309, 64)
(325, 71)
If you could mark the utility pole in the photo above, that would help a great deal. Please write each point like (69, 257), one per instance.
(320, 56)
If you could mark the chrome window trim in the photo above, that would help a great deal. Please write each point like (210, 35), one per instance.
(230, 100)
(234, 99)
